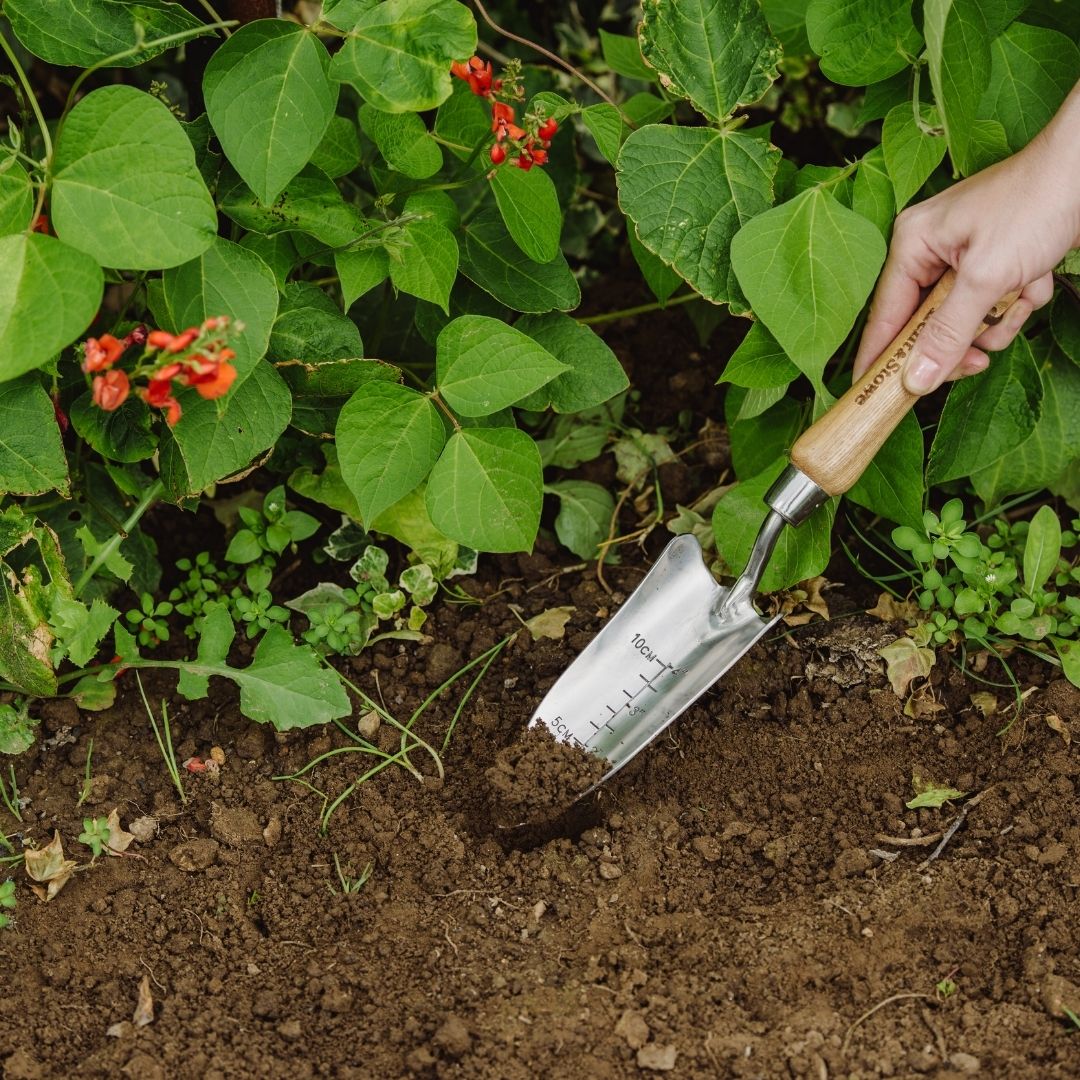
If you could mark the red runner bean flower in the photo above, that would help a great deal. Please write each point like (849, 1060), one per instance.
(110, 390)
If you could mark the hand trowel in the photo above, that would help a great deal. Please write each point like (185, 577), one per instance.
(679, 631)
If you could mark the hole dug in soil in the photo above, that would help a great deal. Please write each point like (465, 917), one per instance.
(723, 914)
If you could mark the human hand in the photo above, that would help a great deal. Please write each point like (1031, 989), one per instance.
(1002, 229)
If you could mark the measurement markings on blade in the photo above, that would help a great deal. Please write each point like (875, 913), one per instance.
(644, 680)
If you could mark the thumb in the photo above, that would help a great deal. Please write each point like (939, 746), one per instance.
(949, 331)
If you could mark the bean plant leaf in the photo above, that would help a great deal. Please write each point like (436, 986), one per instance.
(988, 415)
(462, 121)
(226, 279)
(911, 154)
(958, 52)
(807, 267)
(800, 553)
(486, 490)
(49, 292)
(32, 459)
(425, 263)
(622, 54)
(530, 210)
(759, 362)
(862, 41)
(384, 422)
(718, 53)
(892, 484)
(311, 334)
(209, 444)
(16, 199)
(82, 33)
(491, 260)
(126, 189)
(872, 191)
(593, 373)
(1041, 459)
(270, 101)
(1032, 69)
(1065, 324)
(339, 151)
(688, 191)
(398, 54)
(607, 127)
(584, 517)
(1042, 548)
(359, 270)
(404, 141)
(482, 365)
(787, 20)
(757, 441)
(124, 435)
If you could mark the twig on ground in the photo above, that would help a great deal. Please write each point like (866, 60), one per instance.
(951, 830)
(909, 841)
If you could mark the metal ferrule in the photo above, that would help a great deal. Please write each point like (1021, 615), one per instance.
(795, 496)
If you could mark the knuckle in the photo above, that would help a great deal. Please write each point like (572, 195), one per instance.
(941, 337)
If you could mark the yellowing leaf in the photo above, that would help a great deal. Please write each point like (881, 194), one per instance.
(985, 702)
(906, 661)
(1055, 723)
(930, 793)
(119, 841)
(889, 609)
(48, 866)
(550, 623)
(144, 1010)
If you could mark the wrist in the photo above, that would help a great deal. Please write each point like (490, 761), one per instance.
(1061, 150)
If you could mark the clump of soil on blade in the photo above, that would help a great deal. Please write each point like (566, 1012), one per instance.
(538, 776)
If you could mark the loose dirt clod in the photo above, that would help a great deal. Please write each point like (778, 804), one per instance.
(537, 777)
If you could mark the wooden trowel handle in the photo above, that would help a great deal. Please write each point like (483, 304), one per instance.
(834, 451)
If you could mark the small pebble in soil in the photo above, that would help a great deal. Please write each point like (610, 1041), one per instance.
(537, 777)
(195, 855)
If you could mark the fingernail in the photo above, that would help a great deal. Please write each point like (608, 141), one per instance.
(922, 376)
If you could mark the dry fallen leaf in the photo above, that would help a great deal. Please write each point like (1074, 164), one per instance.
(906, 661)
(144, 1010)
(1055, 723)
(119, 841)
(550, 623)
(808, 597)
(48, 867)
(922, 703)
(889, 609)
(985, 702)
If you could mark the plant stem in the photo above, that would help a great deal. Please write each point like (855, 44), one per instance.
(434, 395)
(209, 9)
(30, 94)
(641, 309)
(564, 64)
(153, 492)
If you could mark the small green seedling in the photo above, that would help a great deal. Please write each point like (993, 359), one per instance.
(148, 620)
(269, 530)
(7, 902)
(95, 835)
(86, 786)
(257, 610)
(9, 795)
(946, 988)
(203, 581)
(350, 885)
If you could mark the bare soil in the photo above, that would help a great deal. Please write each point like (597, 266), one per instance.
(749, 898)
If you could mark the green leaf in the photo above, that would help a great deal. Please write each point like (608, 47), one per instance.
(409, 522)
(126, 188)
(987, 415)
(862, 41)
(756, 442)
(759, 362)
(958, 51)
(1069, 655)
(462, 121)
(931, 794)
(872, 191)
(216, 633)
(311, 203)
(17, 732)
(718, 53)
(530, 210)
(745, 404)
(270, 100)
(584, 518)
(209, 444)
(311, 334)
(490, 259)
(79, 629)
(1044, 456)
(622, 54)
(359, 271)
(16, 199)
(115, 562)
(398, 54)
(807, 267)
(436, 205)
(661, 279)
(226, 279)
(593, 375)
(321, 388)
(800, 553)
(1042, 548)
(573, 440)
(339, 151)
(486, 489)
(124, 435)
(82, 33)
(607, 127)
(688, 191)
(278, 252)
(892, 484)
(388, 439)
(25, 638)
(49, 293)
(426, 263)
(32, 457)
(403, 139)
(482, 365)
(326, 487)
(787, 20)
(1032, 70)
(1065, 325)
(910, 154)
(345, 14)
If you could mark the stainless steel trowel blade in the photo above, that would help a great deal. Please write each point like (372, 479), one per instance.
(675, 635)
